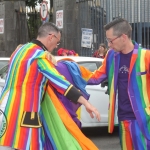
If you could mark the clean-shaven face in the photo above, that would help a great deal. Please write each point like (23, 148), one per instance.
(114, 42)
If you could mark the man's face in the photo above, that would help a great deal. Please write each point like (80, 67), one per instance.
(54, 41)
(114, 42)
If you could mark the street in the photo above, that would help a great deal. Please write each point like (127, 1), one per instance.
(102, 139)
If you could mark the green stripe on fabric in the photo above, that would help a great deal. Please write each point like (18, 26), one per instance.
(110, 76)
(138, 78)
(63, 139)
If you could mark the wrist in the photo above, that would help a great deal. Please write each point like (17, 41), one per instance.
(82, 100)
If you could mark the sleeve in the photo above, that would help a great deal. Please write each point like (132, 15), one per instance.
(58, 81)
(86, 74)
(98, 75)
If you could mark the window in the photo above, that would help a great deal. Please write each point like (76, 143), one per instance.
(92, 66)
(3, 72)
(3, 63)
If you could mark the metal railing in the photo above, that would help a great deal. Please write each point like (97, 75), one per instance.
(94, 14)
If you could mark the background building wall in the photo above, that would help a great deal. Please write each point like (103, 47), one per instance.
(15, 27)
(133, 10)
(70, 30)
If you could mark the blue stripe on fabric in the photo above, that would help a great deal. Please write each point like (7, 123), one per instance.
(29, 139)
(48, 133)
(37, 52)
(40, 139)
(138, 137)
(79, 82)
(59, 82)
(139, 110)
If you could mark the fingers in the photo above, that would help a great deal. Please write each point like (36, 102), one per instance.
(91, 114)
(97, 115)
(94, 111)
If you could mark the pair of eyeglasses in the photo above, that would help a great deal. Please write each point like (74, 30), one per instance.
(111, 41)
(58, 43)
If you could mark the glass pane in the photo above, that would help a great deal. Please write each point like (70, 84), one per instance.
(89, 65)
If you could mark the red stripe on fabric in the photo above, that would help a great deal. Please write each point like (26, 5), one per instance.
(37, 77)
(127, 135)
(35, 139)
(11, 129)
(23, 137)
(28, 105)
(58, 88)
(148, 74)
(112, 117)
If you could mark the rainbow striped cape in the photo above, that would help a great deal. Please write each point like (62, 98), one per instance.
(61, 131)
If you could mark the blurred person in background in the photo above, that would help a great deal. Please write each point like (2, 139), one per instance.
(66, 52)
(101, 52)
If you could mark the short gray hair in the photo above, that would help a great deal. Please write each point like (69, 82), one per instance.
(47, 28)
(120, 26)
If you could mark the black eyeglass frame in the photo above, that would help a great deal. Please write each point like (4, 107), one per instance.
(111, 41)
(58, 43)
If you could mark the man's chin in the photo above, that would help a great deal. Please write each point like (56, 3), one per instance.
(116, 50)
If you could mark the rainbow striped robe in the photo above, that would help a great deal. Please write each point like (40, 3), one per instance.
(26, 80)
(138, 85)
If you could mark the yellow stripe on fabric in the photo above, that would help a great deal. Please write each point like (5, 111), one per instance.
(12, 70)
(21, 106)
(110, 104)
(70, 125)
(68, 89)
(23, 95)
(124, 144)
(14, 91)
(143, 77)
(78, 112)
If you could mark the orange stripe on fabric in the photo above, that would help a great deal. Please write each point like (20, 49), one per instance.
(111, 108)
(34, 139)
(127, 141)
(84, 142)
(23, 134)
(12, 120)
(86, 74)
(34, 97)
(147, 56)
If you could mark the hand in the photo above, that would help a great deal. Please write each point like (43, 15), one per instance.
(92, 110)
(89, 108)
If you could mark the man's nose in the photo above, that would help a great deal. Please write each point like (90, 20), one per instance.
(109, 44)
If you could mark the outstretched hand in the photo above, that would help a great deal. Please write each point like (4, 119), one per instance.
(89, 108)
(92, 110)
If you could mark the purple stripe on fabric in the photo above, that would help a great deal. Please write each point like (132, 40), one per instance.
(135, 51)
(136, 47)
(133, 133)
(109, 53)
(137, 135)
(48, 144)
(116, 66)
(96, 81)
(147, 143)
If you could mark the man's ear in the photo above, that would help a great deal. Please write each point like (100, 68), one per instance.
(124, 36)
(50, 37)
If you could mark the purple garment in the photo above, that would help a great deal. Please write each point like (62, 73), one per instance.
(125, 111)
(48, 144)
(70, 106)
